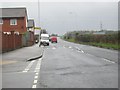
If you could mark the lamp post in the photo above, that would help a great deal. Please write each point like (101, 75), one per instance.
(74, 15)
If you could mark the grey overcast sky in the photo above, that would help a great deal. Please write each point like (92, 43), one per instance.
(61, 17)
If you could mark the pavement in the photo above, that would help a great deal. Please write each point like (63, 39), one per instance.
(14, 62)
(63, 65)
(22, 54)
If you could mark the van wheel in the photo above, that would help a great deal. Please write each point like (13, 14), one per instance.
(39, 45)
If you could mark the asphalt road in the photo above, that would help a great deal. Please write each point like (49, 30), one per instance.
(65, 65)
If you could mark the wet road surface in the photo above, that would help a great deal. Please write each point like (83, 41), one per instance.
(65, 65)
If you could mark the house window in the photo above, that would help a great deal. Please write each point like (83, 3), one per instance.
(1, 21)
(13, 21)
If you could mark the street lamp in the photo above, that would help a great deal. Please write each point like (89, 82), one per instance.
(74, 14)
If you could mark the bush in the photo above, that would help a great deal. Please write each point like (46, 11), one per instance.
(106, 40)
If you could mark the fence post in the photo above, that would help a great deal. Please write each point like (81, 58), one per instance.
(1, 42)
(13, 40)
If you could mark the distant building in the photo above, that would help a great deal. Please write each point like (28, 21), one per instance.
(30, 33)
(13, 19)
(31, 25)
(43, 31)
(102, 32)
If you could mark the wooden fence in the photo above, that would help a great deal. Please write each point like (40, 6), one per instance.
(11, 41)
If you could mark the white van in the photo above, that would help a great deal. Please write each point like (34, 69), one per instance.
(44, 39)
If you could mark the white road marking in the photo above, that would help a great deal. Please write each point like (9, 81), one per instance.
(108, 60)
(89, 54)
(38, 66)
(77, 48)
(102, 58)
(37, 70)
(82, 51)
(24, 71)
(36, 77)
(70, 47)
(35, 81)
(34, 86)
(53, 48)
(36, 73)
(28, 67)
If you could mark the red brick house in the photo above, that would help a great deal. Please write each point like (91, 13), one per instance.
(13, 19)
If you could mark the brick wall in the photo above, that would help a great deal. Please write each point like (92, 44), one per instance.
(20, 27)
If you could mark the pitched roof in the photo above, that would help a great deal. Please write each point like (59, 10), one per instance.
(30, 23)
(13, 12)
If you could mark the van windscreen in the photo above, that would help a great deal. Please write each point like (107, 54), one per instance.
(45, 38)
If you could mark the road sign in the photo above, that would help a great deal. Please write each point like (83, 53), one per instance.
(37, 28)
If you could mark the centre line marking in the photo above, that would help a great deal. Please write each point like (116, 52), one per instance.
(37, 70)
(35, 81)
(108, 60)
(28, 67)
(24, 71)
(34, 86)
(77, 48)
(36, 77)
(82, 51)
(89, 54)
(36, 73)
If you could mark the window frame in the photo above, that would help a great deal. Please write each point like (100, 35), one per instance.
(11, 21)
(1, 20)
